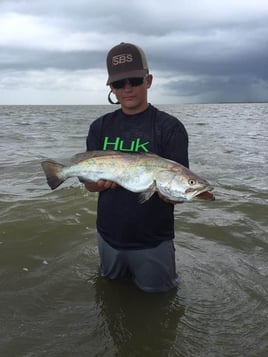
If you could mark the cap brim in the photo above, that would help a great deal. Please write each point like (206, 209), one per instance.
(125, 75)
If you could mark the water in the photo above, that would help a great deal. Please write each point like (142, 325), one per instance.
(52, 301)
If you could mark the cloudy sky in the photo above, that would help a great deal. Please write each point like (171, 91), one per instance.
(199, 51)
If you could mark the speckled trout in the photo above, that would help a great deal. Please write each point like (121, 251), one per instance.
(144, 173)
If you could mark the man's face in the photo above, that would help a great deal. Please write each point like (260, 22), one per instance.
(132, 93)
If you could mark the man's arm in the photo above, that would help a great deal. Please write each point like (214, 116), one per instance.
(93, 143)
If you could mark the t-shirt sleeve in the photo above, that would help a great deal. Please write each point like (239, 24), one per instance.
(93, 139)
(94, 136)
(175, 144)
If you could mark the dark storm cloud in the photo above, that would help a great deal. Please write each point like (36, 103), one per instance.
(20, 59)
(205, 50)
(219, 89)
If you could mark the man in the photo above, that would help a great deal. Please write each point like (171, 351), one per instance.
(135, 240)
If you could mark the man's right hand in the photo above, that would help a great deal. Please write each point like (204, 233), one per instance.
(100, 185)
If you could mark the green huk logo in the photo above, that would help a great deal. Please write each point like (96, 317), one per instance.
(119, 145)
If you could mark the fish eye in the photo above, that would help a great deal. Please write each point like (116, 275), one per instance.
(191, 182)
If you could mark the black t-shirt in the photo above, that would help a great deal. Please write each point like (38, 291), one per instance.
(122, 221)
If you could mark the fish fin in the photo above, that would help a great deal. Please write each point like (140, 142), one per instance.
(52, 170)
(90, 154)
(145, 195)
(83, 180)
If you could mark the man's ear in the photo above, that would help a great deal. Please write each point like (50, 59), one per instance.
(111, 89)
(149, 80)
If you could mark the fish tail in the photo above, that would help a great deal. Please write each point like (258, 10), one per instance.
(52, 171)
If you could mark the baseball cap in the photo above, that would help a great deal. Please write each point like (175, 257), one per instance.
(126, 61)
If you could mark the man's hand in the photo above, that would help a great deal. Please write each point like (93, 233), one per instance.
(100, 186)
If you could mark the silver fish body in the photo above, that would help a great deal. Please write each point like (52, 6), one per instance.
(143, 173)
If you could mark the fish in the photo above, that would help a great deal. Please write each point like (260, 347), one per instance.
(143, 173)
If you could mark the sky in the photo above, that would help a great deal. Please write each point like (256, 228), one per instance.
(199, 51)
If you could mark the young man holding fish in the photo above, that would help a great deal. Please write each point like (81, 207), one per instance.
(135, 239)
(137, 188)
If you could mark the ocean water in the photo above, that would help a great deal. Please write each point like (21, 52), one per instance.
(52, 300)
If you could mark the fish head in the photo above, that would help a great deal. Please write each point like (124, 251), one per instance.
(198, 189)
(183, 185)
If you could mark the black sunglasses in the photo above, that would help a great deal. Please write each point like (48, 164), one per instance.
(134, 82)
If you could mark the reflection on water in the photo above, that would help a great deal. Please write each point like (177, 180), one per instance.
(140, 324)
(52, 300)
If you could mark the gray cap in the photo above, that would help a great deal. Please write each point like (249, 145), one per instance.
(126, 61)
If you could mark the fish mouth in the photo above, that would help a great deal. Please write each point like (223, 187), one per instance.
(204, 194)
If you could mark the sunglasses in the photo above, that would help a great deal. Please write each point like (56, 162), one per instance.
(134, 82)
